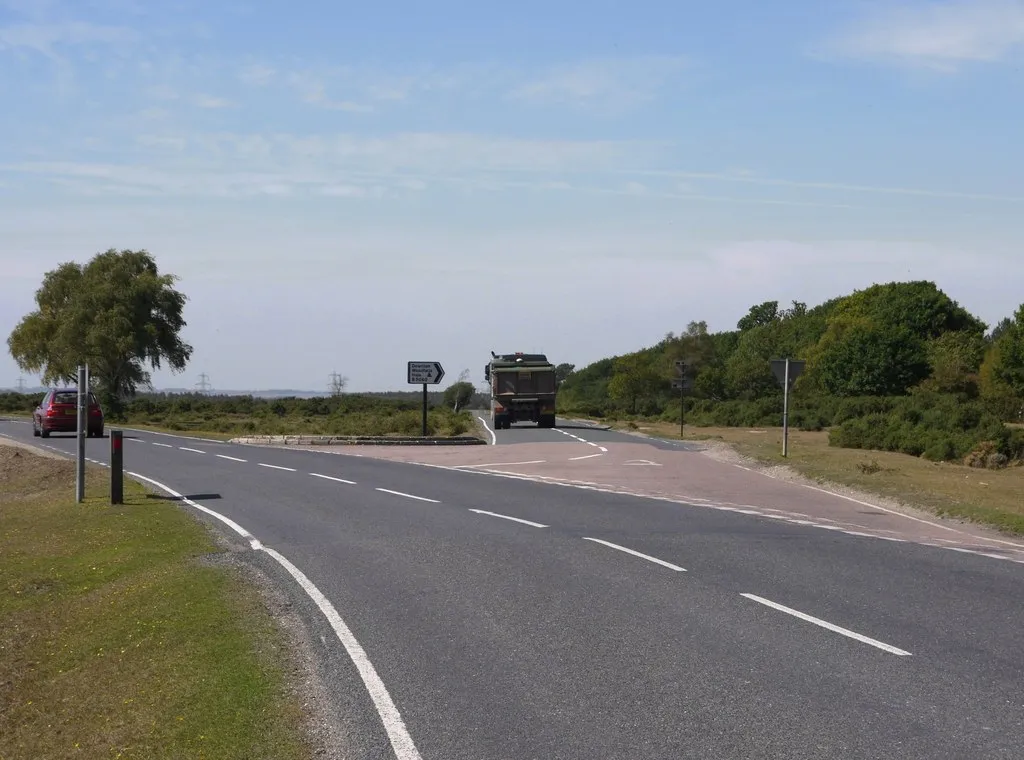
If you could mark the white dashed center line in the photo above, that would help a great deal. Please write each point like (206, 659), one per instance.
(829, 626)
(407, 495)
(164, 445)
(506, 517)
(194, 451)
(231, 459)
(276, 467)
(655, 560)
(336, 480)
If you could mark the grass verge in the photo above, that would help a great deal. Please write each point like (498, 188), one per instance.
(118, 640)
(991, 497)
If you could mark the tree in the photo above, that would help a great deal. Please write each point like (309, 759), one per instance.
(460, 393)
(759, 316)
(955, 358)
(562, 372)
(1002, 371)
(634, 377)
(872, 361)
(117, 313)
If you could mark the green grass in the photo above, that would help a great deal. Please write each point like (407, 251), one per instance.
(118, 640)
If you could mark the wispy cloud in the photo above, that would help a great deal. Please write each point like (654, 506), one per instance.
(938, 36)
(605, 83)
(49, 38)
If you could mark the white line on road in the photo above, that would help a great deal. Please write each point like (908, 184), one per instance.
(494, 438)
(655, 560)
(500, 464)
(194, 451)
(164, 445)
(401, 741)
(231, 459)
(336, 480)
(586, 456)
(824, 624)
(506, 517)
(277, 467)
(408, 495)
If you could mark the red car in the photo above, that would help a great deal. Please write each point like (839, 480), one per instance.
(58, 413)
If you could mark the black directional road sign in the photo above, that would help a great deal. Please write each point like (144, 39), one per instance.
(425, 373)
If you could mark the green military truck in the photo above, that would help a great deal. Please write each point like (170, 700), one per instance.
(522, 389)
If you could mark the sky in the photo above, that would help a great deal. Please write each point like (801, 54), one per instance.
(346, 188)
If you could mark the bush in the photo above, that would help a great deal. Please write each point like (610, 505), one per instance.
(937, 427)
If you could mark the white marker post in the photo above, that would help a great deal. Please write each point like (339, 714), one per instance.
(786, 371)
(83, 421)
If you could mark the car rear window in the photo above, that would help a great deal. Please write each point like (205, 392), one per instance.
(70, 397)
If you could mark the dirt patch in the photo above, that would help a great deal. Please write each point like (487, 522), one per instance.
(28, 473)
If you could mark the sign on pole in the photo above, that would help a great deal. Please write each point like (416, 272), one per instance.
(786, 371)
(425, 373)
(682, 384)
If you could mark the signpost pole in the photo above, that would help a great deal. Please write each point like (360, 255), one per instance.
(82, 420)
(424, 373)
(786, 371)
(785, 412)
(682, 409)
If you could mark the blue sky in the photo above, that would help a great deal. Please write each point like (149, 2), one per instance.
(347, 188)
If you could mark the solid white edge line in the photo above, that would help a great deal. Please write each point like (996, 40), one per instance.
(506, 517)
(401, 741)
(830, 626)
(655, 560)
(226, 520)
(232, 459)
(494, 437)
(277, 467)
(407, 495)
(336, 480)
(194, 451)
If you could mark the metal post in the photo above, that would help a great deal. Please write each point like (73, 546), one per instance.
(785, 412)
(116, 468)
(424, 410)
(82, 420)
(682, 409)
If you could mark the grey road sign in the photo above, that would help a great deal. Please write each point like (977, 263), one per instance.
(796, 368)
(685, 384)
(425, 373)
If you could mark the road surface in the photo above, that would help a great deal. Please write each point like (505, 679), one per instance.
(460, 616)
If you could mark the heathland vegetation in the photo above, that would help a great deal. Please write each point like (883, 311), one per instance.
(897, 367)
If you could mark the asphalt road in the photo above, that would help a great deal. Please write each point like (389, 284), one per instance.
(609, 626)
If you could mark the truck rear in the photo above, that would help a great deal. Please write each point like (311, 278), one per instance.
(523, 389)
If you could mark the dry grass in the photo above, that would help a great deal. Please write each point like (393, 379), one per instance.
(116, 641)
(992, 497)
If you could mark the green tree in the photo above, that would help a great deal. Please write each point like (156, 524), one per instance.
(562, 372)
(872, 361)
(635, 377)
(458, 395)
(759, 316)
(1002, 371)
(955, 358)
(117, 313)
